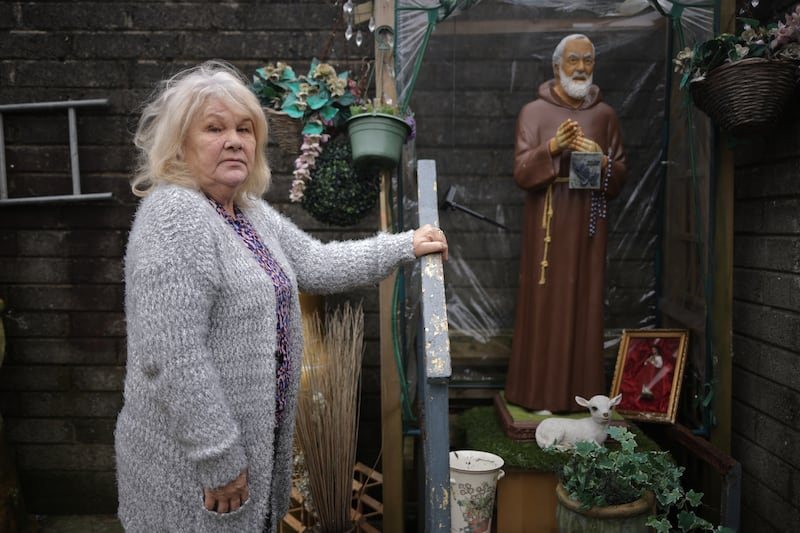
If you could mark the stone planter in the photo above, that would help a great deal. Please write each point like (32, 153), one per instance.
(625, 518)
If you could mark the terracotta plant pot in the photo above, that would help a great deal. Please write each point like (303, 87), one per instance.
(625, 518)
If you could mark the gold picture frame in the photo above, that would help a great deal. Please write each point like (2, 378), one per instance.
(649, 373)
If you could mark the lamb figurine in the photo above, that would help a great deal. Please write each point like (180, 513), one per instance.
(567, 431)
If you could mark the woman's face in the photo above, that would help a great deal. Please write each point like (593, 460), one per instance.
(219, 149)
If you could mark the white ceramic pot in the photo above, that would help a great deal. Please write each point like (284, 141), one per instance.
(473, 481)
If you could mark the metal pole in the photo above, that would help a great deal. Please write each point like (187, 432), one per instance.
(3, 183)
(73, 152)
(49, 106)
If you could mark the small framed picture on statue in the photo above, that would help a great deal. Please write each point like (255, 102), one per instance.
(649, 373)
(585, 169)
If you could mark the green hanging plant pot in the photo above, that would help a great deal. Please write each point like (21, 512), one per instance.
(377, 138)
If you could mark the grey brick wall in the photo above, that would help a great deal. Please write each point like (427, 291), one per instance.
(766, 327)
(60, 265)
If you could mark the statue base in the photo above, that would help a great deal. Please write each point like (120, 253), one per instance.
(520, 424)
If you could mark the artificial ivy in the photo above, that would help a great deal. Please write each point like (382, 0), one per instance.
(339, 192)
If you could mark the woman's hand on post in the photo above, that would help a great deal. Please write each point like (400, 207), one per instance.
(429, 240)
(228, 498)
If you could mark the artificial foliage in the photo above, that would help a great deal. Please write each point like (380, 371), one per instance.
(779, 40)
(320, 99)
(372, 107)
(337, 191)
(598, 476)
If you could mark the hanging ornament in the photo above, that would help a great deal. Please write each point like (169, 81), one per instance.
(371, 24)
(348, 33)
(359, 37)
(348, 7)
(754, 3)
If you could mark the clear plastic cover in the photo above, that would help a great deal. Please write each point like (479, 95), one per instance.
(478, 67)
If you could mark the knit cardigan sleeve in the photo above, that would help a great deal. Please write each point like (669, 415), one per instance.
(170, 274)
(337, 266)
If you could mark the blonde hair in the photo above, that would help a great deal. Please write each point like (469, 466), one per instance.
(170, 111)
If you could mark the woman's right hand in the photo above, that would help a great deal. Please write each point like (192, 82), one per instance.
(429, 240)
(229, 497)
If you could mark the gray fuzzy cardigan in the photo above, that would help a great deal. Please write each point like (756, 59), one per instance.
(200, 383)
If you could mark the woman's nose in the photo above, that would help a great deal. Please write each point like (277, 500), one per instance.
(233, 141)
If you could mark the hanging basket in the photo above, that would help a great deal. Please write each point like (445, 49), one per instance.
(286, 131)
(746, 97)
(377, 138)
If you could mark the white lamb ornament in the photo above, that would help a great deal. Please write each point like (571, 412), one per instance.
(567, 431)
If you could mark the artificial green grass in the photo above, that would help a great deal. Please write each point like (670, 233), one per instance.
(479, 429)
(520, 414)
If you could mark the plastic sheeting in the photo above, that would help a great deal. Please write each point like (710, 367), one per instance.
(417, 19)
(633, 67)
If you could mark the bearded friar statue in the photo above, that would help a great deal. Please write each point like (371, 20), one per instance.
(569, 160)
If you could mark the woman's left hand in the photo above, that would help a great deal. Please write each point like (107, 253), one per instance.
(430, 240)
(228, 498)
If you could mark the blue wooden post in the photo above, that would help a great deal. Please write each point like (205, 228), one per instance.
(434, 348)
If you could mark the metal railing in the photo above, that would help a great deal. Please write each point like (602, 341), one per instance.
(70, 106)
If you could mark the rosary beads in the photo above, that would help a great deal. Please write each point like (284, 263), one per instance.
(599, 205)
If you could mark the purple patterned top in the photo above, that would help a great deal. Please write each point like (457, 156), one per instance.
(283, 297)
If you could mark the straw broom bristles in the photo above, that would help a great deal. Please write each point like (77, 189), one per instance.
(327, 413)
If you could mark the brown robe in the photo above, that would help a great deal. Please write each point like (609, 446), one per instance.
(557, 348)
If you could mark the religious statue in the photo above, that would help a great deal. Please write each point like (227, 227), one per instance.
(557, 348)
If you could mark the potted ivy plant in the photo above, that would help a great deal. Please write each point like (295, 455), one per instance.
(377, 133)
(744, 81)
(599, 487)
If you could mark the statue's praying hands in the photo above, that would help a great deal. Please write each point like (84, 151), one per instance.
(566, 134)
(584, 144)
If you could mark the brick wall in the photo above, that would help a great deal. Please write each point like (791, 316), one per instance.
(766, 327)
(60, 264)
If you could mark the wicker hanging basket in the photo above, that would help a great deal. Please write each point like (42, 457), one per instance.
(285, 131)
(746, 97)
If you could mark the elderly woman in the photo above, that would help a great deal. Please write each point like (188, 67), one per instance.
(204, 440)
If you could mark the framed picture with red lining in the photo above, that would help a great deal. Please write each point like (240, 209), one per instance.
(649, 373)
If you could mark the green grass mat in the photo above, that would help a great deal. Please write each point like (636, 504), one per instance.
(479, 428)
